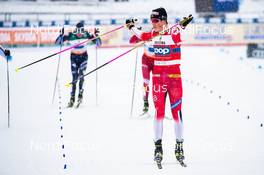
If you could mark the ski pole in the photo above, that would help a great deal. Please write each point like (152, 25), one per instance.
(8, 91)
(57, 73)
(58, 67)
(133, 93)
(6, 54)
(96, 77)
(68, 48)
(136, 46)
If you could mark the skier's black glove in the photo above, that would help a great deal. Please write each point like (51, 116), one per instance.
(62, 31)
(186, 20)
(130, 23)
(60, 38)
(96, 31)
(7, 52)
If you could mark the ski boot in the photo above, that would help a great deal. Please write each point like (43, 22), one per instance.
(80, 97)
(71, 103)
(158, 153)
(179, 154)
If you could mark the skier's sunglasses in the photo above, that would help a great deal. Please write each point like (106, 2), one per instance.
(155, 20)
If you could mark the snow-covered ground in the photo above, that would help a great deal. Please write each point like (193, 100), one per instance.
(104, 139)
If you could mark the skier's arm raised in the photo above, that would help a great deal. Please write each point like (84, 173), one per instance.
(145, 36)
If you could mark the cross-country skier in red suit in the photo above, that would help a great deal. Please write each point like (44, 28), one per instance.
(147, 66)
(163, 46)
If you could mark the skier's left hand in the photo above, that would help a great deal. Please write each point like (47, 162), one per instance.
(96, 31)
(130, 23)
(186, 20)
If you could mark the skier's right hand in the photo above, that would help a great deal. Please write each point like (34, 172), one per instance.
(130, 23)
(7, 52)
(62, 31)
(96, 31)
(59, 40)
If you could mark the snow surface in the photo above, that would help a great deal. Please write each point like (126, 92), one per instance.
(104, 139)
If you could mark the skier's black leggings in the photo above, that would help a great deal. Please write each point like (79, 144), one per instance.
(78, 67)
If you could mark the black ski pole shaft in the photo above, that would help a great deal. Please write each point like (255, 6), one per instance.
(42, 59)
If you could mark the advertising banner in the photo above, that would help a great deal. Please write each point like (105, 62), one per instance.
(194, 34)
(255, 50)
(225, 5)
